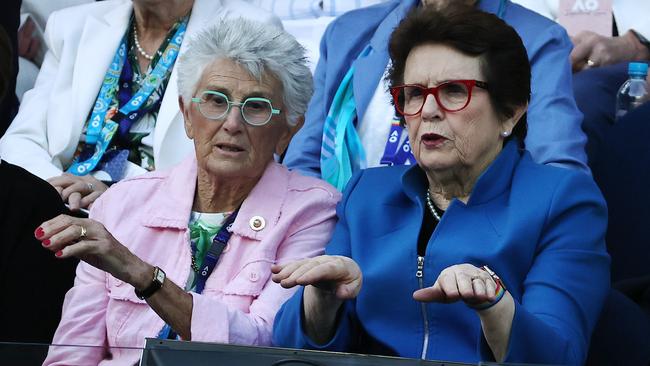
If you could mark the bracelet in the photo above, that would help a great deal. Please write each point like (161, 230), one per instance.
(500, 291)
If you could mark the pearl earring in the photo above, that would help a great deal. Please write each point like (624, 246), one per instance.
(505, 134)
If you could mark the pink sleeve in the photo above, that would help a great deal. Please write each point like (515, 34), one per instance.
(215, 321)
(83, 321)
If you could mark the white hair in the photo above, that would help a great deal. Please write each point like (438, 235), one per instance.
(258, 47)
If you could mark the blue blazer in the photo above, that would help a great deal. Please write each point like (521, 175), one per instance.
(554, 133)
(540, 228)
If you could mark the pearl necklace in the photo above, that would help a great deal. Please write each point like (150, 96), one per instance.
(432, 207)
(137, 44)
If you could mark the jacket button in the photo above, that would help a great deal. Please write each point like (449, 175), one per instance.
(253, 277)
(257, 223)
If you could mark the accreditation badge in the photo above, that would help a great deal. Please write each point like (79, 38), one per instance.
(586, 15)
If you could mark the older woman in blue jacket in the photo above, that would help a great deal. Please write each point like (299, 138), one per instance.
(475, 253)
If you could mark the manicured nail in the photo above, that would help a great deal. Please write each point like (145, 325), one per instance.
(59, 253)
(46, 242)
(39, 233)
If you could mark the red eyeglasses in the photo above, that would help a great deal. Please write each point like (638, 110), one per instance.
(452, 96)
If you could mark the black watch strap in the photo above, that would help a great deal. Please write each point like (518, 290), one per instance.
(155, 285)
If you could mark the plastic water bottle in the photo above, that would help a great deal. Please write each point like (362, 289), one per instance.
(634, 90)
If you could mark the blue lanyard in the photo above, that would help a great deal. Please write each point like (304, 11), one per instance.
(100, 132)
(398, 147)
(124, 95)
(219, 243)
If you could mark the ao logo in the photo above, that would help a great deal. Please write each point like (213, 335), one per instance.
(393, 137)
(585, 6)
(406, 147)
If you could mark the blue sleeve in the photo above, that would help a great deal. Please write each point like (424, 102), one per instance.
(303, 153)
(567, 284)
(288, 326)
(555, 134)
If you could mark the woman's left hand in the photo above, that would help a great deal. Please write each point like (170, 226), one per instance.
(603, 51)
(460, 282)
(89, 241)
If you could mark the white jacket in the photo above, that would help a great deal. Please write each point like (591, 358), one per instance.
(82, 41)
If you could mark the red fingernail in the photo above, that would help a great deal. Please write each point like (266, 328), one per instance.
(46, 242)
(39, 233)
(59, 253)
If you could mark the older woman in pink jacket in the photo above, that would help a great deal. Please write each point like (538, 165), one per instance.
(186, 253)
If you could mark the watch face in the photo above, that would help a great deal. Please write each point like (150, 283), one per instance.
(160, 275)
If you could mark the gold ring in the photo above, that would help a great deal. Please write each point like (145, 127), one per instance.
(83, 232)
(591, 63)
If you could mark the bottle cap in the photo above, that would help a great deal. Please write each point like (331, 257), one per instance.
(637, 69)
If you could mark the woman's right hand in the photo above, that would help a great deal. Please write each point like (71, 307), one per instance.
(330, 274)
(328, 281)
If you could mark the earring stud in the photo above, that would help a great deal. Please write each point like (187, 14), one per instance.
(505, 133)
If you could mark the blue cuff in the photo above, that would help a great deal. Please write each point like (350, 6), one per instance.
(288, 330)
(342, 339)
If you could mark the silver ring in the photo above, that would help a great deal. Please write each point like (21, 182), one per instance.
(591, 63)
(83, 232)
(91, 187)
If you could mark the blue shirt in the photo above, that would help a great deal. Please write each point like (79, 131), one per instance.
(554, 133)
(540, 228)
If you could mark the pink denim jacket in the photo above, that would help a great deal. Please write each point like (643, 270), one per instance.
(149, 214)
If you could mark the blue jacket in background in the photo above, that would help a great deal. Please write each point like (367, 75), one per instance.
(554, 133)
(540, 228)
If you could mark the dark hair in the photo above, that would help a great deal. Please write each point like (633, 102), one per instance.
(503, 57)
(5, 62)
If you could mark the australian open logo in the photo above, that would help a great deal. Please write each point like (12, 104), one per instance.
(585, 6)
(136, 101)
(95, 121)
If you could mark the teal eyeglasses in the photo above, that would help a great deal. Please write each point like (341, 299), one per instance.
(255, 111)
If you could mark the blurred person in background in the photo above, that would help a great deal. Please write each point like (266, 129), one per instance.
(101, 109)
(10, 20)
(307, 19)
(25, 201)
(31, 42)
(618, 157)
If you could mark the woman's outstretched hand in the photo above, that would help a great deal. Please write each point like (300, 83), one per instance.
(336, 275)
(329, 280)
